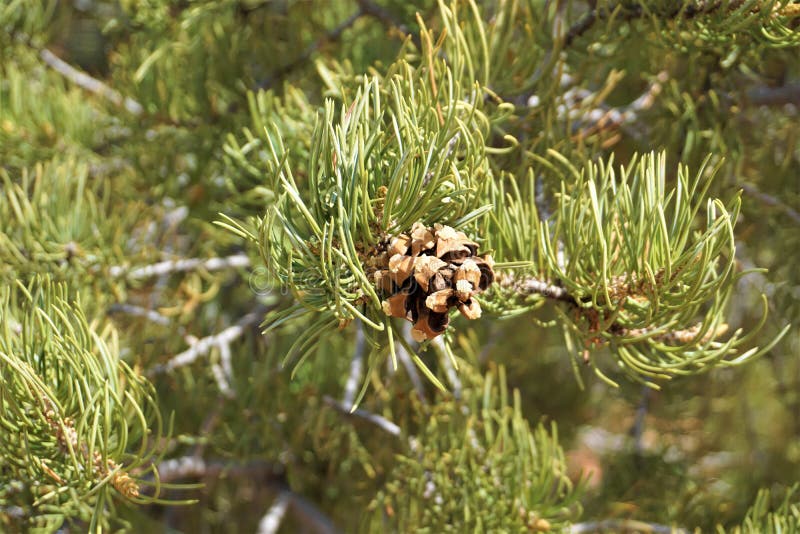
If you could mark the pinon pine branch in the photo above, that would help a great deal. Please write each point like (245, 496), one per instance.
(454, 465)
(636, 270)
(770, 514)
(406, 154)
(634, 266)
(79, 425)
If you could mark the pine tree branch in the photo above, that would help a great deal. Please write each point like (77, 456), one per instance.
(637, 429)
(225, 369)
(184, 467)
(531, 286)
(272, 520)
(622, 526)
(774, 96)
(770, 200)
(139, 311)
(684, 11)
(602, 118)
(543, 206)
(449, 368)
(195, 466)
(172, 266)
(93, 85)
(379, 421)
(365, 8)
(329, 37)
(408, 365)
(310, 517)
(580, 27)
(385, 17)
(588, 20)
(203, 346)
(223, 372)
(304, 512)
(356, 366)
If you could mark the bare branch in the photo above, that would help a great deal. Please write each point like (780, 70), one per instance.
(204, 346)
(542, 201)
(223, 380)
(530, 286)
(172, 266)
(774, 96)
(381, 14)
(622, 526)
(449, 368)
(375, 419)
(329, 37)
(603, 118)
(138, 311)
(272, 520)
(183, 467)
(408, 365)
(580, 27)
(770, 200)
(311, 517)
(93, 85)
(684, 11)
(365, 8)
(270, 474)
(195, 466)
(356, 366)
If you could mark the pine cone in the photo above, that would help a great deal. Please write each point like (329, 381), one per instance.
(424, 274)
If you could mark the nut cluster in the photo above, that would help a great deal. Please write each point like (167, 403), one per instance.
(425, 273)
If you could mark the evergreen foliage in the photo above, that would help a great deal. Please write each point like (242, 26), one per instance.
(214, 216)
(486, 458)
(77, 419)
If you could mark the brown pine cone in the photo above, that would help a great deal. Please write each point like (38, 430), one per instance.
(424, 274)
